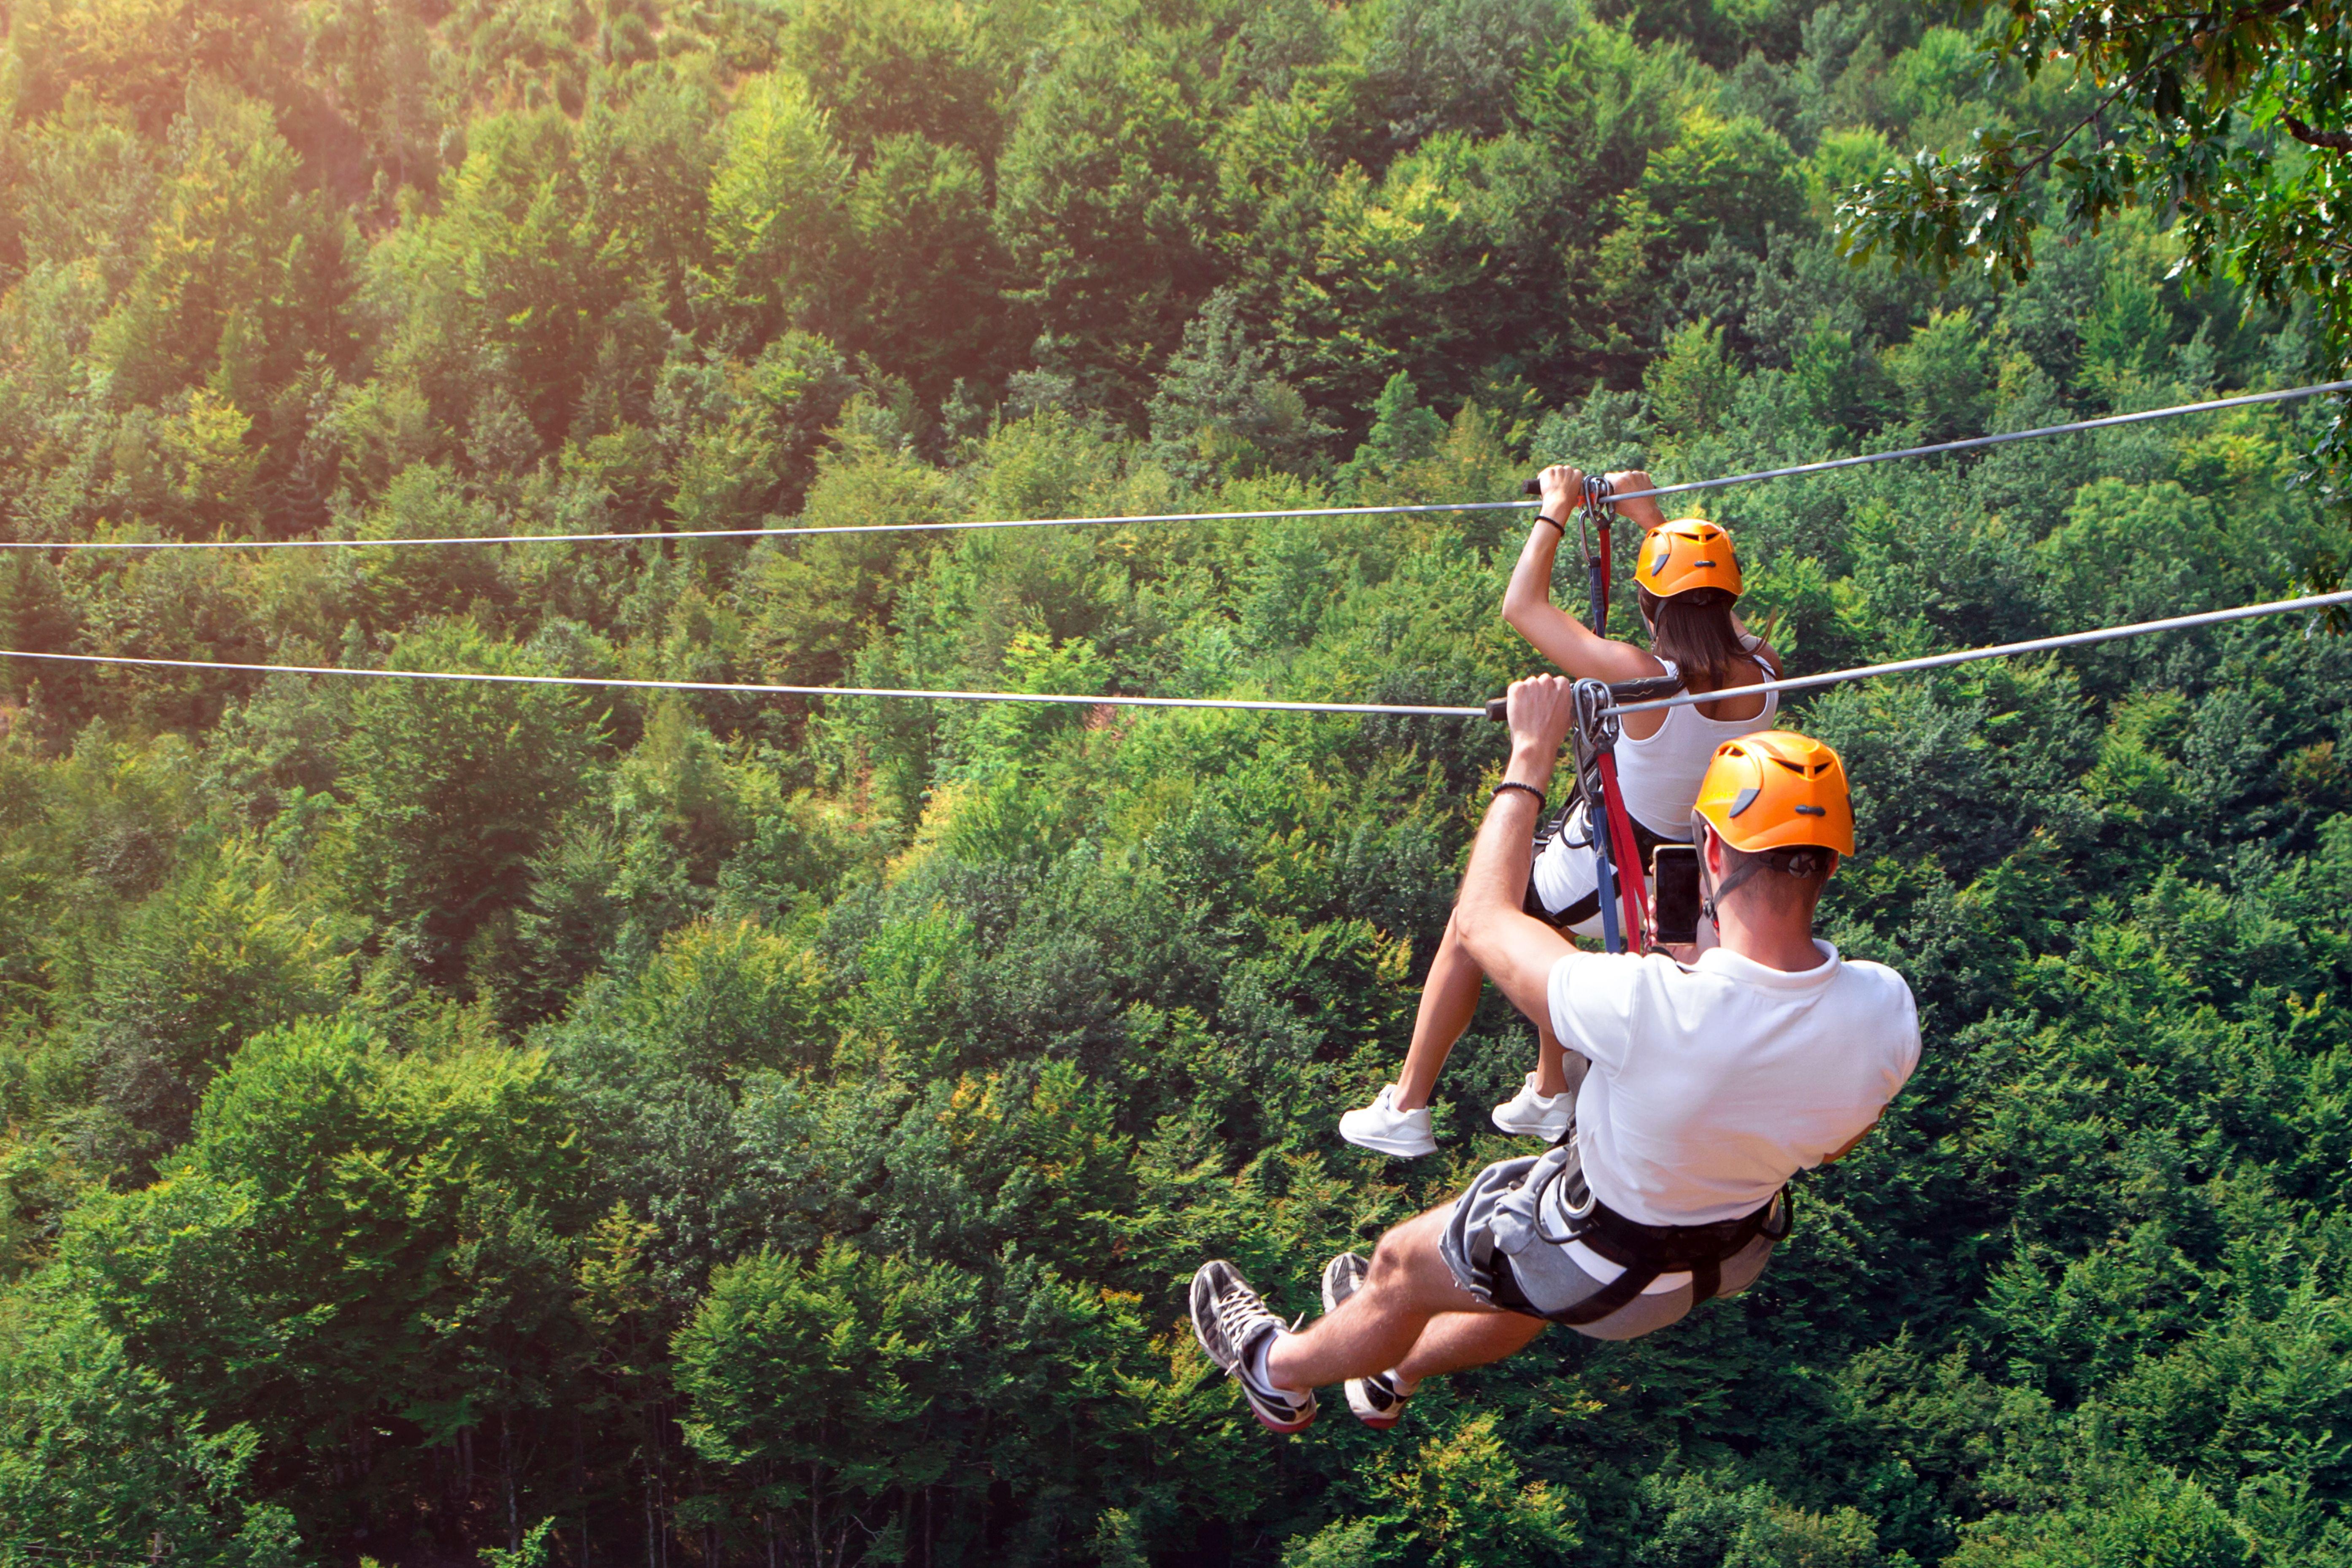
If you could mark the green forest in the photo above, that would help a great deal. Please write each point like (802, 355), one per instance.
(538, 1125)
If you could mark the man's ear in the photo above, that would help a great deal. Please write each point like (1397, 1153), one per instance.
(1710, 848)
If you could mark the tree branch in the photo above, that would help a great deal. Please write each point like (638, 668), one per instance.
(2334, 141)
(2017, 181)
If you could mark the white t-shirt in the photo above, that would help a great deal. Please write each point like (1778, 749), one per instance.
(1713, 1084)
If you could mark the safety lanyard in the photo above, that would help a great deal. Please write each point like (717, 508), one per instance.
(1616, 858)
(1595, 522)
(1635, 888)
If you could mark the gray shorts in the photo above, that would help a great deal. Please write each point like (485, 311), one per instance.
(1497, 1228)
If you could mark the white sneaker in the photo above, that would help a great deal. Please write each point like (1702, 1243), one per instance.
(1383, 1129)
(1532, 1115)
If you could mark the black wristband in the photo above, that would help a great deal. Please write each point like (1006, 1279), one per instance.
(1513, 784)
(1555, 523)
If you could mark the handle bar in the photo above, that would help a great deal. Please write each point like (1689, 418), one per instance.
(1535, 488)
(1647, 690)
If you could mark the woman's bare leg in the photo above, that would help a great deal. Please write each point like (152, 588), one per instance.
(1448, 998)
(1558, 1069)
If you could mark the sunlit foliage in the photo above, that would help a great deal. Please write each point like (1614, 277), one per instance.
(582, 1125)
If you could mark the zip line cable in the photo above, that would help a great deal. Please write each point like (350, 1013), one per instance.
(760, 691)
(1967, 443)
(1972, 442)
(1860, 672)
(1936, 661)
(2000, 650)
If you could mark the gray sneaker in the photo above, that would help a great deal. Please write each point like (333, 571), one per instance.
(1374, 1399)
(1229, 1319)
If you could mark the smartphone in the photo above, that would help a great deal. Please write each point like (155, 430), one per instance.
(1674, 899)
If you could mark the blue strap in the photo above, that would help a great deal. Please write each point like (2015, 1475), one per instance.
(1605, 879)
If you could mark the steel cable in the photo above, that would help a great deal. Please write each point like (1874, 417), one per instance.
(1970, 442)
(1100, 700)
(756, 690)
(2000, 650)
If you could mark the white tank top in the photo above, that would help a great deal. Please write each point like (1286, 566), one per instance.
(1660, 777)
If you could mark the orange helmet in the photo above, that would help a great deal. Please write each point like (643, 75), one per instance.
(1776, 790)
(1687, 554)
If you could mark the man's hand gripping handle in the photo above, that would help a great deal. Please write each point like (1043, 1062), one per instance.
(1540, 711)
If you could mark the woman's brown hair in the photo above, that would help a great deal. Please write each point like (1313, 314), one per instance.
(1694, 630)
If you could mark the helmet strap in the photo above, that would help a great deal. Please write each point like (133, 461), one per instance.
(1800, 862)
(1701, 829)
(1731, 884)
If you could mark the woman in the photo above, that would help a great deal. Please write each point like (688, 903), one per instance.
(1687, 582)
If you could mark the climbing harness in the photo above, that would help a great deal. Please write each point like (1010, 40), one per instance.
(1565, 1209)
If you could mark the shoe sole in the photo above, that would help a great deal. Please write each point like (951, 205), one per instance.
(1201, 1306)
(1280, 1428)
(1367, 1413)
(1545, 1129)
(1394, 1148)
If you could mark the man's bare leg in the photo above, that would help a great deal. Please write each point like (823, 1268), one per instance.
(1448, 999)
(1451, 1341)
(1408, 1286)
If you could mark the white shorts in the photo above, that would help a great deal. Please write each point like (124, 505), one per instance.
(1564, 883)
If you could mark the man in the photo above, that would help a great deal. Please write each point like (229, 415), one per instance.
(1710, 1085)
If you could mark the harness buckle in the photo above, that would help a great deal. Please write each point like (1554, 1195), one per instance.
(1573, 1209)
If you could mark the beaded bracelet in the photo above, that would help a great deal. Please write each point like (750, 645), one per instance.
(1513, 784)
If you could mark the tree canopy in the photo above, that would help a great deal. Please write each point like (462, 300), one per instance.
(544, 1125)
(2239, 118)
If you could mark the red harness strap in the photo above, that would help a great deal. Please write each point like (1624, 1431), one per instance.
(1633, 887)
